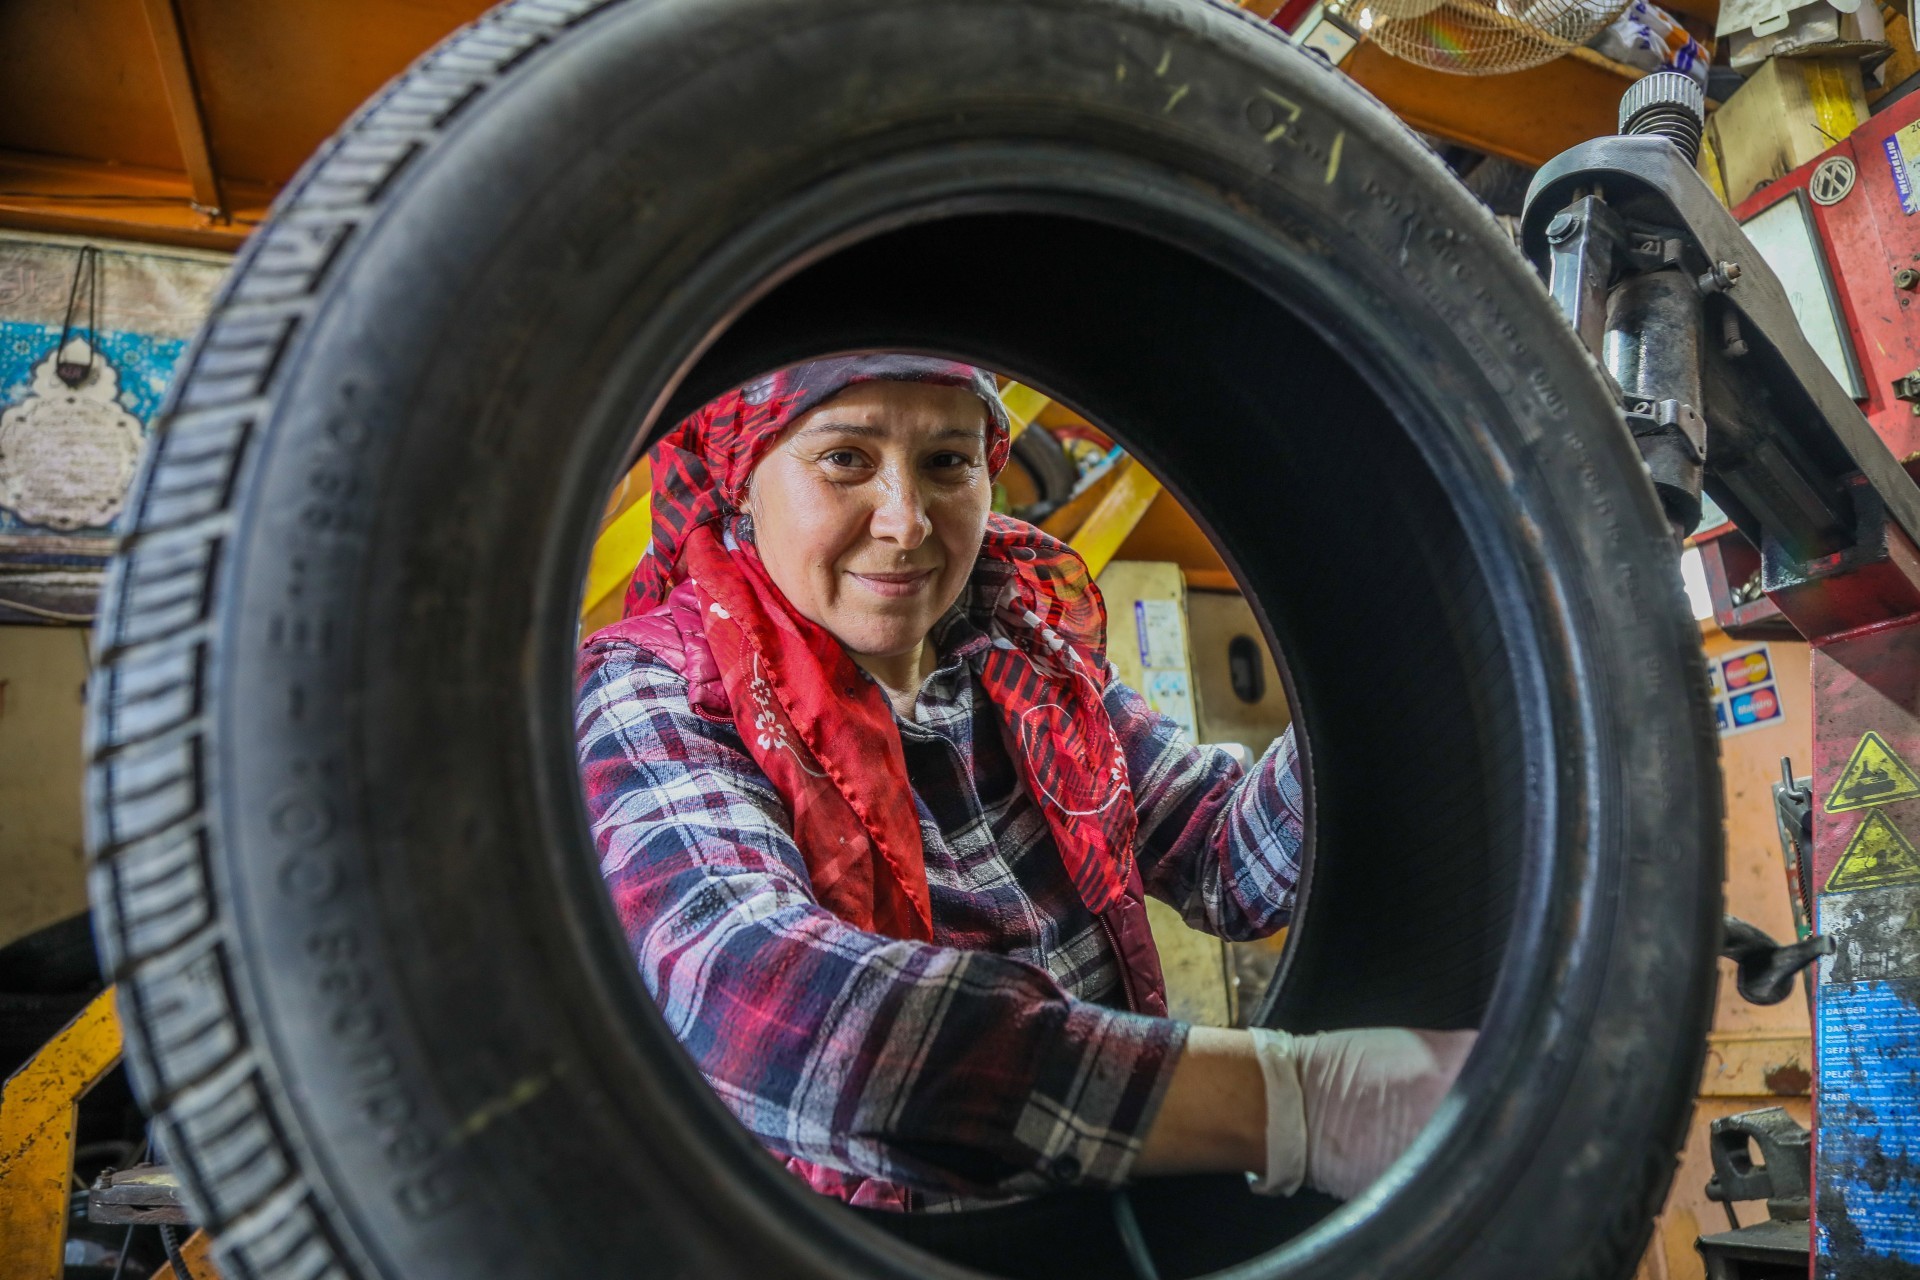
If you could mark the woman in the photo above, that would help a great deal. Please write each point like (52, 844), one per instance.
(879, 819)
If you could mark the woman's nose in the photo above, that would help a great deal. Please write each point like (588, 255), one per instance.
(901, 516)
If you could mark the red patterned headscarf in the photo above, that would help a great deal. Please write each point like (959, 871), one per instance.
(823, 734)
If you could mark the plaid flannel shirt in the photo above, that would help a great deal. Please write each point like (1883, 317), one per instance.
(997, 1060)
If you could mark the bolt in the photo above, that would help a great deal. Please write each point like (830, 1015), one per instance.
(1906, 278)
(1722, 276)
(1562, 227)
(1734, 344)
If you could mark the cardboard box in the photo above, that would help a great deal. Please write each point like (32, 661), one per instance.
(1787, 113)
(1149, 645)
(1756, 30)
(1813, 31)
(1147, 639)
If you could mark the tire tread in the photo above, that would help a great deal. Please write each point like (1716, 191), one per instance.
(164, 934)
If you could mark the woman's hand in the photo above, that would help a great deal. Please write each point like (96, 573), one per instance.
(1329, 1111)
(1364, 1096)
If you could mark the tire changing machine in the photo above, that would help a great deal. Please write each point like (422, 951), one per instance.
(1725, 395)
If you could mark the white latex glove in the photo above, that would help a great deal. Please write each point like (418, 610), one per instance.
(1343, 1105)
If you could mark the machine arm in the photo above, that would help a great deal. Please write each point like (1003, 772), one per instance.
(1719, 384)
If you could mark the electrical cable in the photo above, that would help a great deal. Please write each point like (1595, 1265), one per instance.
(126, 1243)
(1132, 1239)
(170, 1241)
(52, 615)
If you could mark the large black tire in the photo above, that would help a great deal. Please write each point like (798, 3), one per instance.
(368, 977)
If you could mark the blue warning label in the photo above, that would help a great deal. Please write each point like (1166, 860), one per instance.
(1868, 1171)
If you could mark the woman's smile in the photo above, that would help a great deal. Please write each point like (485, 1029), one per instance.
(895, 584)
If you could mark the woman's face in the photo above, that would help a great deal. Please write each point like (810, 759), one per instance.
(870, 510)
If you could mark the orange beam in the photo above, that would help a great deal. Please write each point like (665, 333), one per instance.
(1168, 532)
(37, 1119)
(1529, 116)
(183, 102)
(91, 198)
(1107, 526)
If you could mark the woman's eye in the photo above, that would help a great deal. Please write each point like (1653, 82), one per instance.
(843, 458)
(948, 461)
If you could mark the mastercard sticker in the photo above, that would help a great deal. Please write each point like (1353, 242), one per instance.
(1746, 670)
(1745, 693)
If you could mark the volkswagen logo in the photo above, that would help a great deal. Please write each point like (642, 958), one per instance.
(1832, 181)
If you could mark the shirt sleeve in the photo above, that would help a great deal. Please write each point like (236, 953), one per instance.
(1220, 845)
(922, 1065)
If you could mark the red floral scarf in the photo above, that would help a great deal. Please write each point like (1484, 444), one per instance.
(823, 734)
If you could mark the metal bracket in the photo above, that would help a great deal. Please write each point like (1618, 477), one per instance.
(1658, 417)
(1584, 237)
(146, 1193)
(1908, 388)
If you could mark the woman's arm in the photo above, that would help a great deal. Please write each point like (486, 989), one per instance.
(917, 1064)
(1221, 845)
(1213, 1119)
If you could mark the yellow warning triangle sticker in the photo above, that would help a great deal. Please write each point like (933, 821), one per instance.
(1874, 775)
(1877, 855)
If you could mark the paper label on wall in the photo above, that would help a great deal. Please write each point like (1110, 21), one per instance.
(1162, 633)
(1171, 694)
(1745, 693)
(1903, 154)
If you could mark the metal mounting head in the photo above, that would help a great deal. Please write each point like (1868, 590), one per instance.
(1667, 104)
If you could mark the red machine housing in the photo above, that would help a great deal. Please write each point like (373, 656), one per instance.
(1859, 610)
(1872, 248)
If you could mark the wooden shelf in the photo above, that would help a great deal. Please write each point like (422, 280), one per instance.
(1529, 116)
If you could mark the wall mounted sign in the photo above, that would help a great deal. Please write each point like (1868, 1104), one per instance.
(73, 417)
